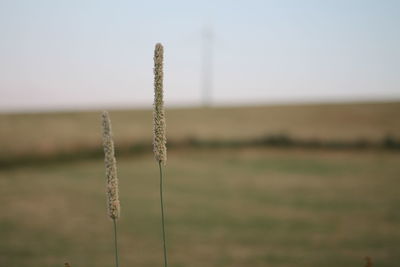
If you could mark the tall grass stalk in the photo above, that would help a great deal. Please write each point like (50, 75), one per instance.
(159, 131)
(113, 205)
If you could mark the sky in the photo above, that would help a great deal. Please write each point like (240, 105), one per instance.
(82, 54)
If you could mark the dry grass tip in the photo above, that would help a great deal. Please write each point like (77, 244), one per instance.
(111, 168)
(159, 126)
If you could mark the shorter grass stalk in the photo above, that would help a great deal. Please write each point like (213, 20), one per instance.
(113, 205)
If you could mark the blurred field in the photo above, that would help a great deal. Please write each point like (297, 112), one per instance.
(247, 207)
(232, 206)
(48, 134)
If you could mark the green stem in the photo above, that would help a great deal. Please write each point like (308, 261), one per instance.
(115, 243)
(162, 214)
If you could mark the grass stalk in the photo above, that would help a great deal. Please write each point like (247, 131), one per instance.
(162, 214)
(159, 130)
(116, 243)
(112, 191)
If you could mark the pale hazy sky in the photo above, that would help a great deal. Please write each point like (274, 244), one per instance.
(82, 54)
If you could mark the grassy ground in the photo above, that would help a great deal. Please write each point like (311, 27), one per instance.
(45, 133)
(224, 208)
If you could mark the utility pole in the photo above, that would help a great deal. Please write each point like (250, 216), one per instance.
(207, 66)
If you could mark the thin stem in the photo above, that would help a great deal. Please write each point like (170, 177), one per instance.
(115, 243)
(162, 214)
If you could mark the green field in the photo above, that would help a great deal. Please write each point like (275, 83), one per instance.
(226, 206)
(248, 207)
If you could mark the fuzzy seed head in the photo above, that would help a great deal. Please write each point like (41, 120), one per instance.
(159, 127)
(113, 205)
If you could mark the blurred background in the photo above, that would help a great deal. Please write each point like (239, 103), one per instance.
(282, 123)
